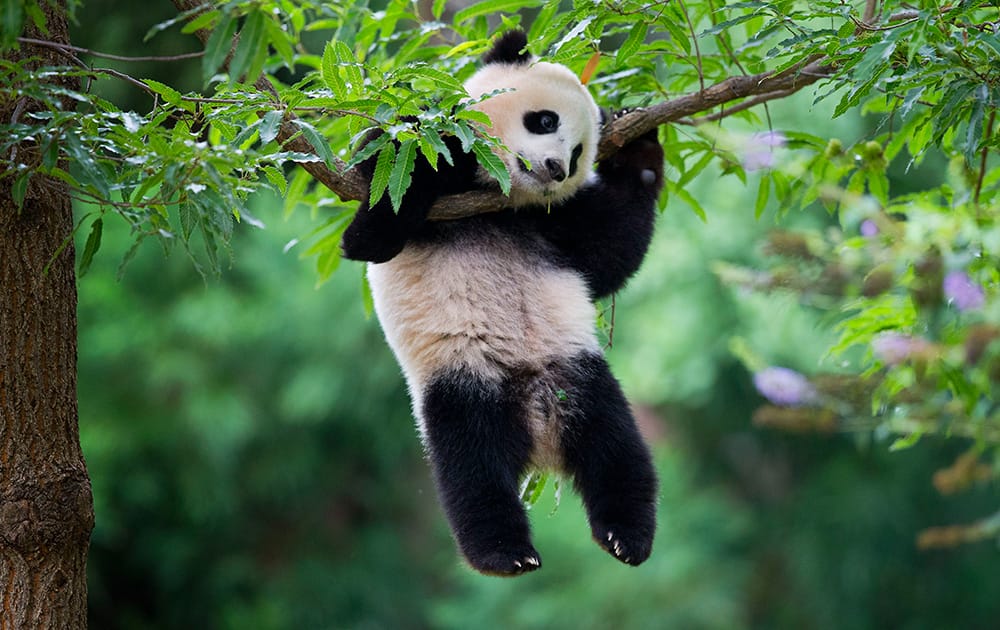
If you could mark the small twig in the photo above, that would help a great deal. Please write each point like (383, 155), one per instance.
(985, 154)
(697, 49)
(94, 53)
(747, 104)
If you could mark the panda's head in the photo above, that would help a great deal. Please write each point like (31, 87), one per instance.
(546, 118)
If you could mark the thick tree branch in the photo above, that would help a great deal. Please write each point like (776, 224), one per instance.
(351, 185)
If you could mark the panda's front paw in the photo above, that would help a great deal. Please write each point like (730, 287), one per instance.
(638, 162)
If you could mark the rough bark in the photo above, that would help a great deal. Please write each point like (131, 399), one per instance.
(46, 508)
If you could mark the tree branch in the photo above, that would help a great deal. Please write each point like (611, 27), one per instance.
(350, 185)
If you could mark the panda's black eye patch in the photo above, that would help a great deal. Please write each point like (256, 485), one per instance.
(541, 122)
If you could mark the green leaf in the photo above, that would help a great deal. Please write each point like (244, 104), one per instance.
(330, 72)
(217, 47)
(277, 178)
(368, 150)
(11, 22)
(631, 44)
(440, 147)
(169, 94)
(429, 152)
(437, 9)
(493, 165)
(93, 244)
(905, 442)
(492, 7)
(399, 179)
(252, 40)
(878, 186)
(380, 178)
(355, 79)
(366, 294)
(200, 22)
(281, 41)
(19, 189)
(317, 141)
(687, 197)
(763, 193)
(270, 125)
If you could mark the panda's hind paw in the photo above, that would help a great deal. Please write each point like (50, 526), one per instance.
(630, 546)
(506, 564)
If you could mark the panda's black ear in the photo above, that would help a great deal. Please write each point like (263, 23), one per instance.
(510, 48)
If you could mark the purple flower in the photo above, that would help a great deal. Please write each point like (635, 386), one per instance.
(759, 151)
(962, 291)
(892, 348)
(783, 386)
(868, 228)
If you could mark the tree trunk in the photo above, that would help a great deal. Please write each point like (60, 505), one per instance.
(46, 508)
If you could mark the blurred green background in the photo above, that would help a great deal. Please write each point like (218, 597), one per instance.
(255, 465)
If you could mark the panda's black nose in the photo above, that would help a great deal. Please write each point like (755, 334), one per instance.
(556, 169)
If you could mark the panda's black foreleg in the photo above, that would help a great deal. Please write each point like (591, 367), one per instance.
(610, 464)
(478, 447)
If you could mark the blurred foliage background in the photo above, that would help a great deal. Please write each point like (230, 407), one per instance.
(255, 465)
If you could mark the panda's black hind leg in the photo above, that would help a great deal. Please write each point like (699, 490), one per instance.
(478, 447)
(610, 464)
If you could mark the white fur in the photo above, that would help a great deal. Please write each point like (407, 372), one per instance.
(489, 304)
(486, 306)
(534, 87)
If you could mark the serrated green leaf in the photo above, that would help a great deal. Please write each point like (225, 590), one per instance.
(631, 44)
(380, 178)
(368, 150)
(465, 134)
(354, 78)
(217, 47)
(399, 179)
(330, 72)
(252, 40)
(440, 147)
(974, 132)
(169, 94)
(493, 165)
(93, 244)
(270, 125)
(277, 178)
(429, 152)
(316, 141)
(474, 115)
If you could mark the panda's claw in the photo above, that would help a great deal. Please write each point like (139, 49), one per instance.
(630, 545)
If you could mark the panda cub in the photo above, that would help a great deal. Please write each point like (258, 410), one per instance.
(491, 317)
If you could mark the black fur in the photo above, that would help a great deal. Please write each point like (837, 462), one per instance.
(610, 464)
(510, 48)
(478, 445)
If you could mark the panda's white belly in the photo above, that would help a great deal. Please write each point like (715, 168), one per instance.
(485, 306)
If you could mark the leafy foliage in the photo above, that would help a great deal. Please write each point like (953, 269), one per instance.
(901, 271)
